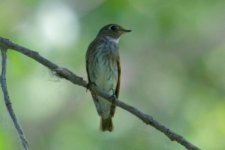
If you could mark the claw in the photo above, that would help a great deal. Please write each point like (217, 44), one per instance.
(113, 97)
(89, 85)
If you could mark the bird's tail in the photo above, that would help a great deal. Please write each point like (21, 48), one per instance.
(106, 124)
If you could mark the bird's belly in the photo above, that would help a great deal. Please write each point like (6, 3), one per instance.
(106, 76)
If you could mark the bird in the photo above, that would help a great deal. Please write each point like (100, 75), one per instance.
(104, 70)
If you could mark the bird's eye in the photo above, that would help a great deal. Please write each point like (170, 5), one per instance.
(114, 28)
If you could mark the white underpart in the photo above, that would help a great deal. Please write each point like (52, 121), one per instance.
(106, 84)
(105, 78)
(114, 40)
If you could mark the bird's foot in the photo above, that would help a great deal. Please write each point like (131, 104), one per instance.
(89, 85)
(113, 97)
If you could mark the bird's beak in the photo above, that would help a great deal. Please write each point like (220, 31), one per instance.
(125, 30)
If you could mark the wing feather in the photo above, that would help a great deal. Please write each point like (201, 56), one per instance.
(113, 107)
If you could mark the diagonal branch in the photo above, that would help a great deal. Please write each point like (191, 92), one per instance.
(69, 75)
(8, 101)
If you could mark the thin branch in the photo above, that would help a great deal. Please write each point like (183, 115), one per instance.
(69, 75)
(8, 101)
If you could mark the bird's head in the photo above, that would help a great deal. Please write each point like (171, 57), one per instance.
(112, 30)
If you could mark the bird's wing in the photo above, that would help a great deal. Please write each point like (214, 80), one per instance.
(89, 58)
(118, 81)
(113, 107)
(88, 61)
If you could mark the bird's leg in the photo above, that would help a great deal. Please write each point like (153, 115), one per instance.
(113, 97)
(90, 83)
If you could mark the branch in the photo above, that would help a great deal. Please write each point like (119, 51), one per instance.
(70, 76)
(8, 101)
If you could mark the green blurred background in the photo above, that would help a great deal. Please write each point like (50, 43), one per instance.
(173, 66)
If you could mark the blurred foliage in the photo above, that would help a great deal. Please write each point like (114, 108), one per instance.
(173, 66)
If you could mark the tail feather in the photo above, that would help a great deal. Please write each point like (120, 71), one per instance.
(106, 124)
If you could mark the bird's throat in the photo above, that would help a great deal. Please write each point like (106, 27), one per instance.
(112, 39)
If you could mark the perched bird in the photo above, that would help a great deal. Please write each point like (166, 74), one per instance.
(103, 70)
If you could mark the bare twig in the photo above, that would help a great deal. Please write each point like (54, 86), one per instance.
(8, 101)
(69, 75)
